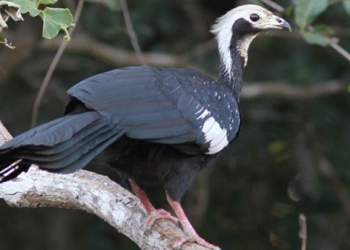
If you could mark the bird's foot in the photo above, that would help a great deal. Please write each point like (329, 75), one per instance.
(187, 227)
(154, 214)
(159, 214)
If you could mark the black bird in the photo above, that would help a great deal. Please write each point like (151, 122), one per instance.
(153, 125)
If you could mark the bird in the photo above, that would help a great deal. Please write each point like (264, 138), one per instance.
(153, 125)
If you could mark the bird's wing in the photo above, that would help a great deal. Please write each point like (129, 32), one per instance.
(165, 106)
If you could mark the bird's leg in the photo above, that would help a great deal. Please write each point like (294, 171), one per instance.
(142, 196)
(186, 225)
(155, 214)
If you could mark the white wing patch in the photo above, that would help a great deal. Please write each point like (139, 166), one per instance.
(204, 114)
(214, 135)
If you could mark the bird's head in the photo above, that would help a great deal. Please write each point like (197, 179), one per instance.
(236, 29)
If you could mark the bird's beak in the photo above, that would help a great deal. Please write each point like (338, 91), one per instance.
(277, 23)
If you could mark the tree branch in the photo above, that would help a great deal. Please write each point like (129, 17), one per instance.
(290, 91)
(131, 32)
(94, 194)
(333, 42)
(115, 56)
(4, 134)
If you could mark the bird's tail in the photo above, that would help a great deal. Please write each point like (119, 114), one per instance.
(63, 145)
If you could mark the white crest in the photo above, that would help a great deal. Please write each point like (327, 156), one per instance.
(222, 30)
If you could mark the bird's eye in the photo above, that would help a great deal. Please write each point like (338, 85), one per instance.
(254, 17)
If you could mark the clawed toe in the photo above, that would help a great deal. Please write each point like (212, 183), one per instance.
(202, 242)
(159, 214)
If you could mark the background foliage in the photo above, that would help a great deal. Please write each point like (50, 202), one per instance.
(293, 152)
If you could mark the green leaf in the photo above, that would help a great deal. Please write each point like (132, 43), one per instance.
(307, 10)
(56, 19)
(46, 2)
(346, 4)
(323, 29)
(27, 6)
(316, 38)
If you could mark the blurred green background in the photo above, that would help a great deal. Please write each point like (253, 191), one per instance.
(292, 155)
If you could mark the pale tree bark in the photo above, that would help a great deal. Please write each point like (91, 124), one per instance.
(96, 194)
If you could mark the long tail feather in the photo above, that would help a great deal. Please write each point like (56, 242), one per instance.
(63, 145)
(13, 170)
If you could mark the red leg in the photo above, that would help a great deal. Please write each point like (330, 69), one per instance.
(146, 203)
(186, 225)
(142, 196)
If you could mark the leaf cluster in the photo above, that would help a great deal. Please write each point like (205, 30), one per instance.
(305, 13)
(54, 19)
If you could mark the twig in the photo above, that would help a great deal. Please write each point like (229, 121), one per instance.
(340, 49)
(7, 44)
(327, 170)
(273, 5)
(290, 91)
(332, 42)
(53, 65)
(131, 32)
(83, 43)
(25, 48)
(303, 231)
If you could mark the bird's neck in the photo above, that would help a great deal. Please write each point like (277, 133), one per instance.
(233, 78)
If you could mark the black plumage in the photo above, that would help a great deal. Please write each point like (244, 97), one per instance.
(156, 112)
(153, 125)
